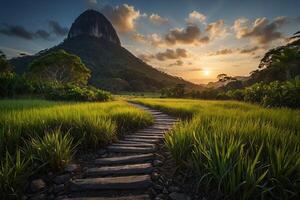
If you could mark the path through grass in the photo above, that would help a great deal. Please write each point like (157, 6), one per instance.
(51, 132)
(236, 150)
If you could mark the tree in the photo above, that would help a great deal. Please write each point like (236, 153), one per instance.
(178, 90)
(4, 64)
(288, 60)
(59, 66)
(223, 77)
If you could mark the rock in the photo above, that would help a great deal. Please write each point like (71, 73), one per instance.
(72, 168)
(37, 185)
(62, 179)
(173, 189)
(94, 24)
(101, 152)
(158, 187)
(165, 191)
(153, 192)
(157, 163)
(58, 188)
(179, 196)
(38, 197)
(160, 197)
(155, 176)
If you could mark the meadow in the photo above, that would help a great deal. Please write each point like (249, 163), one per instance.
(49, 133)
(235, 150)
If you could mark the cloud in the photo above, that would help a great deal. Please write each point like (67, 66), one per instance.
(168, 54)
(171, 54)
(249, 50)
(57, 28)
(221, 52)
(177, 63)
(93, 1)
(216, 29)
(153, 39)
(196, 16)
(227, 51)
(261, 31)
(190, 35)
(123, 17)
(194, 69)
(145, 57)
(156, 19)
(21, 32)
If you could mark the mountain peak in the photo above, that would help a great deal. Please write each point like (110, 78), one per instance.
(93, 23)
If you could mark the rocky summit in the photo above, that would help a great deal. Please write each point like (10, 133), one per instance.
(93, 23)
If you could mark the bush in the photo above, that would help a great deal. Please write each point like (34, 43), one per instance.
(13, 85)
(285, 94)
(55, 149)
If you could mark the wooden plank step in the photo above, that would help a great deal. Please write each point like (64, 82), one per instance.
(111, 183)
(119, 149)
(152, 141)
(136, 197)
(125, 159)
(120, 170)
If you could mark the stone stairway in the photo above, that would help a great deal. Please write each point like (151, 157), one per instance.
(125, 173)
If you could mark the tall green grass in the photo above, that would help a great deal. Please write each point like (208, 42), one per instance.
(242, 151)
(49, 133)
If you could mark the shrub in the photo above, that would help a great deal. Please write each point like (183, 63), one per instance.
(55, 149)
(13, 85)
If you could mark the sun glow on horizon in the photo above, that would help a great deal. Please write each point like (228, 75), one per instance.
(206, 72)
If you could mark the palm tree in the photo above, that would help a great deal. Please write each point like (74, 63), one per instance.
(288, 60)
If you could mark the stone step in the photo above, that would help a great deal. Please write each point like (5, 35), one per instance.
(166, 123)
(145, 136)
(131, 142)
(159, 115)
(151, 131)
(120, 149)
(137, 197)
(163, 128)
(150, 134)
(165, 119)
(121, 170)
(125, 159)
(134, 144)
(111, 183)
(151, 141)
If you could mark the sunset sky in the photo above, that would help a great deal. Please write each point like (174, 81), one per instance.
(193, 39)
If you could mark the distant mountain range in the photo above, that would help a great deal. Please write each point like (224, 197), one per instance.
(93, 38)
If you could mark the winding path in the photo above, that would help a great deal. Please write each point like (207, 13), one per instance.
(125, 173)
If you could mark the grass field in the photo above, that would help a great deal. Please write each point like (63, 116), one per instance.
(235, 150)
(51, 133)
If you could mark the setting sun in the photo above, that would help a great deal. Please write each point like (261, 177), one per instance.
(206, 72)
